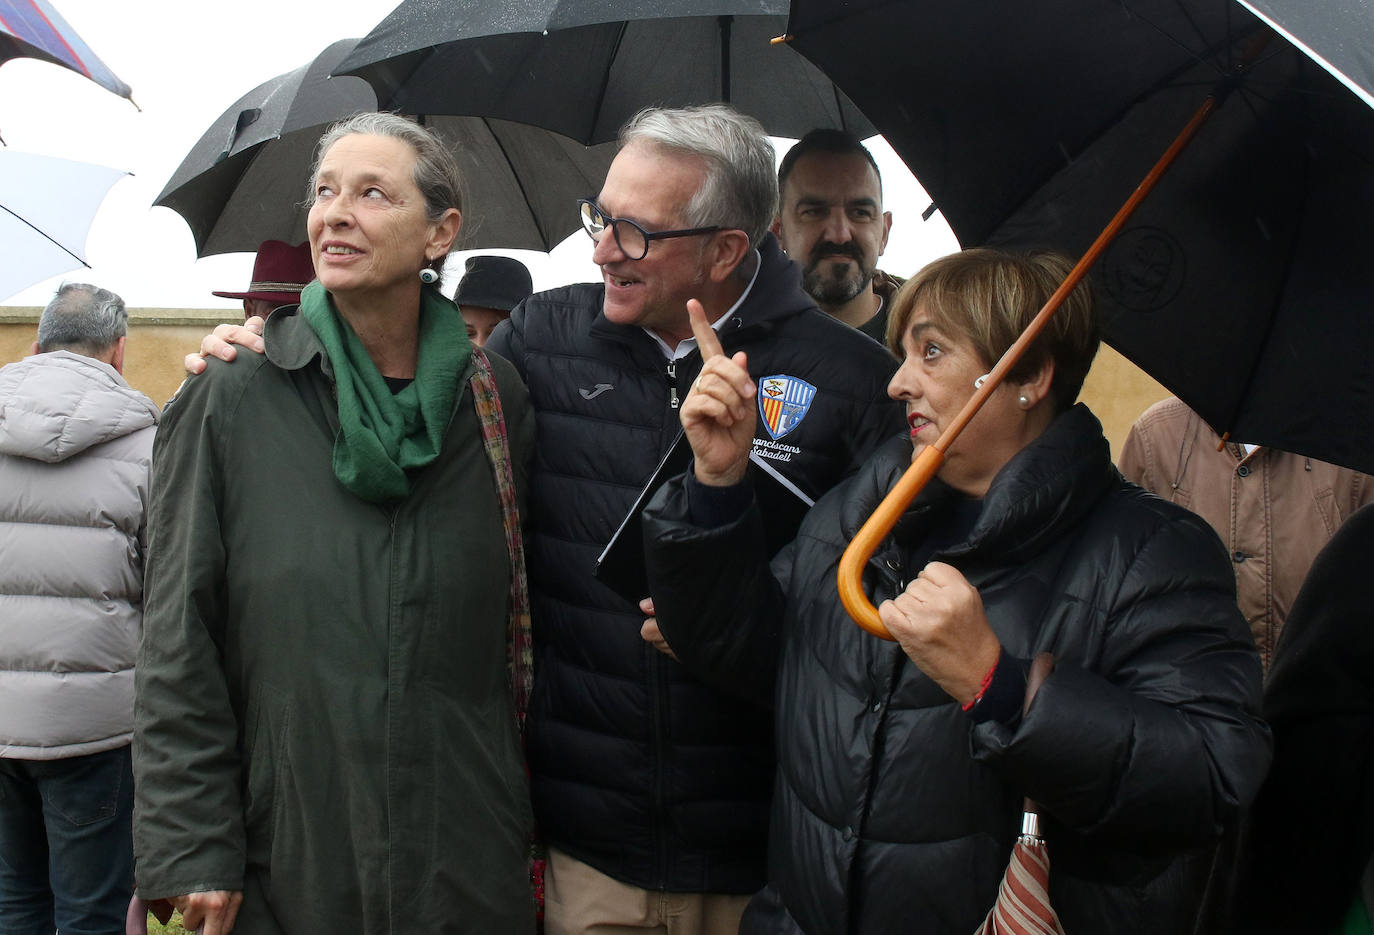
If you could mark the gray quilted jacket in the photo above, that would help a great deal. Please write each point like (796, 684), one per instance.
(75, 457)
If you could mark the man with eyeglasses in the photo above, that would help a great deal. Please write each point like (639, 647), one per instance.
(652, 787)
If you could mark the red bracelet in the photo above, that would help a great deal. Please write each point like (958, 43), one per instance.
(987, 680)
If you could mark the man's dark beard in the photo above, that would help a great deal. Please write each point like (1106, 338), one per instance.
(828, 289)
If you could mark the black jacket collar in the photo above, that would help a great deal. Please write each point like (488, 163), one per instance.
(1037, 496)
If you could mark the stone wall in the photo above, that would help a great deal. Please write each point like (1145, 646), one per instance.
(1116, 389)
(158, 340)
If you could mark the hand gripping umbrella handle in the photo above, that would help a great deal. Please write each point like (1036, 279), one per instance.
(928, 462)
(874, 531)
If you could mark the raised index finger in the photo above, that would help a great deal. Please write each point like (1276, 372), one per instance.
(707, 342)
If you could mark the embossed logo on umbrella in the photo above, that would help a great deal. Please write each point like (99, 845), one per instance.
(783, 403)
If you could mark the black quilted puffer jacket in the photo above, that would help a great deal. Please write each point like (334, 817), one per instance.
(894, 811)
(637, 767)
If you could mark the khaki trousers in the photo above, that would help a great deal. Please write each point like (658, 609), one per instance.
(579, 900)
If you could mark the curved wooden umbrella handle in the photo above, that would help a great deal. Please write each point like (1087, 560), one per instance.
(873, 532)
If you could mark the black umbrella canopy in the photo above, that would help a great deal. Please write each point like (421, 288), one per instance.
(231, 196)
(1344, 52)
(245, 181)
(1235, 284)
(584, 67)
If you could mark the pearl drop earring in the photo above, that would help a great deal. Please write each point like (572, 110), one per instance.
(1025, 403)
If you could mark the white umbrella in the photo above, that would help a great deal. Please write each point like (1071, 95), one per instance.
(46, 208)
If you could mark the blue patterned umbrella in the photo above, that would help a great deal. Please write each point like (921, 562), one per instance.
(33, 29)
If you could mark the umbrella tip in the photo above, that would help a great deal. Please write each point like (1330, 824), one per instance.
(135, 103)
(780, 40)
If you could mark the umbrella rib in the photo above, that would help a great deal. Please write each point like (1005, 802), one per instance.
(1207, 58)
(1217, 89)
(587, 137)
(44, 235)
(839, 107)
(1204, 56)
(57, 34)
(519, 182)
(1225, 430)
(1197, 31)
(724, 24)
(840, 16)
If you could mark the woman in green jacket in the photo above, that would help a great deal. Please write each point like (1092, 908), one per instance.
(326, 732)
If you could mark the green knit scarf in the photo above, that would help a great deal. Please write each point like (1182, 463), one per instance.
(382, 435)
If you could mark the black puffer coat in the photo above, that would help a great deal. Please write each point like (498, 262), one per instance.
(637, 767)
(893, 811)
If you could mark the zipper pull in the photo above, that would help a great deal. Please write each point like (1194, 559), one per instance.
(672, 384)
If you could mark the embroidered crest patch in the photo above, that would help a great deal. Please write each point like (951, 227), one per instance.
(783, 403)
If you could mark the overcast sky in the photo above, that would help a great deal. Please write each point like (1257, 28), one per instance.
(188, 62)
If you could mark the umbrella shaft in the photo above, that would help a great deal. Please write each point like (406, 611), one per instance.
(878, 526)
(726, 25)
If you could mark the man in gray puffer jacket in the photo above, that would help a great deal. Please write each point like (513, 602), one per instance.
(75, 456)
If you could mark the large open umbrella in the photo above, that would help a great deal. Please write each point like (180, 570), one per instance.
(1235, 282)
(33, 29)
(1238, 283)
(46, 208)
(245, 180)
(584, 67)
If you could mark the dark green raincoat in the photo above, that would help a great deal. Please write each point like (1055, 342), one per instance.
(323, 717)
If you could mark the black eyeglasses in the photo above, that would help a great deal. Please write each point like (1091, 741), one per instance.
(632, 239)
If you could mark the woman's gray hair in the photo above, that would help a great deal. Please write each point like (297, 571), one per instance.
(82, 318)
(436, 170)
(741, 189)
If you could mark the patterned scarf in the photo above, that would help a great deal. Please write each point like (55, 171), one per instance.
(519, 650)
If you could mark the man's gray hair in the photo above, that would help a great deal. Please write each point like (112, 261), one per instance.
(82, 318)
(436, 170)
(740, 190)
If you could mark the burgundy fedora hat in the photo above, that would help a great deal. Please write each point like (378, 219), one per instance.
(280, 272)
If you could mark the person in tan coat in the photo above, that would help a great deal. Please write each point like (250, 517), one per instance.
(1273, 509)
